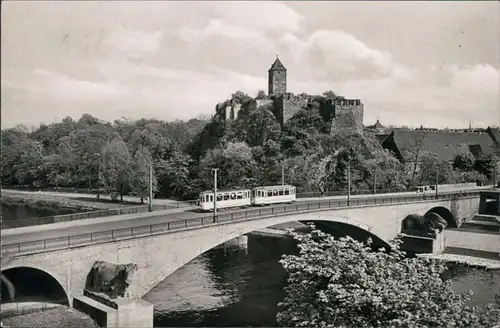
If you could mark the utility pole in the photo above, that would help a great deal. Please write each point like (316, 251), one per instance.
(348, 183)
(150, 198)
(374, 180)
(437, 180)
(98, 176)
(215, 194)
(282, 174)
(495, 175)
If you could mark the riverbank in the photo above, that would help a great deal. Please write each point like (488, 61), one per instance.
(60, 316)
(470, 261)
(42, 200)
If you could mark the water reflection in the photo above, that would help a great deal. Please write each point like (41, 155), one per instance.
(484, 284)
(175, 294)
(11, 212)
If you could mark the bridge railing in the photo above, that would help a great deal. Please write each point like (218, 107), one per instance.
(209, 220)
(73, 217)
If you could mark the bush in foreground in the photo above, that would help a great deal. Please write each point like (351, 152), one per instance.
(342, 282)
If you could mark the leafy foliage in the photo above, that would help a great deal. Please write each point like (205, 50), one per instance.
(251, 150)
(344, 283)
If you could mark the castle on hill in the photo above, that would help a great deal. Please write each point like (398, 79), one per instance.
(342, 114)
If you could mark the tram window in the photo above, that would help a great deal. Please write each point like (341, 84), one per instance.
(269, 193)
(275, 192)
(239, 195)
(226, 196)
(211, 199)
(233, 195)
(219, 197)
(287, 192)
(281, 192)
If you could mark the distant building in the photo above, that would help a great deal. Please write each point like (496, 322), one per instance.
(445, 144)
(377, 127)
(342, 114)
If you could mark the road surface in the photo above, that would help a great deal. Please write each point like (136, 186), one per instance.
(127, 221)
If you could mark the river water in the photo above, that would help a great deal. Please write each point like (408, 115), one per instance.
(232, 286)
(12, 212)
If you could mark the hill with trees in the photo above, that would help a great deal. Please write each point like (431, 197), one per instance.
(249, 151)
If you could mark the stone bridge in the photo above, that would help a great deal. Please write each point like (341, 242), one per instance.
(159, 254)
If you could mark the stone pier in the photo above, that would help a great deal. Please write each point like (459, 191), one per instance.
(123, 312)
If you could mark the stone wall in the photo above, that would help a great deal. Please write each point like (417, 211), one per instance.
(287, 105)
(277, 82)
(229, 110)
(348, 116)
(470, 239)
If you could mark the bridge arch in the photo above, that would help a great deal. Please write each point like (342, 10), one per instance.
(446, 215)
(33, 285)
(166, 268)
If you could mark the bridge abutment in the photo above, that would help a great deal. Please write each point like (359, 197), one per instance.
(133, 313)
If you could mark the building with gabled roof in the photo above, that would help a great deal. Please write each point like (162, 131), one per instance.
(494, 133)
(445, 144)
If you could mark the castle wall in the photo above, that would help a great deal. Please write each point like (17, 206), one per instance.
(327, 110)
(287, 105)
(263, 102)
(228, 110)
(277, 82)
(348, 116)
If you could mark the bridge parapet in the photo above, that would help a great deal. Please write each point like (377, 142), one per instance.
(138, 230)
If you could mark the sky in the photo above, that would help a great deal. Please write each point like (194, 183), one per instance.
(411, 63)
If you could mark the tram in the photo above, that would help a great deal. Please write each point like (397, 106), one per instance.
(241, 198)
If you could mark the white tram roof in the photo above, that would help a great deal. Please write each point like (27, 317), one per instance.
(274, 187)
(223, 190)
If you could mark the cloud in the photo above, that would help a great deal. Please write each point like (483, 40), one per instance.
(217, 28)
(177, 60)
(477, 78)
(261, 16)
(134, 41)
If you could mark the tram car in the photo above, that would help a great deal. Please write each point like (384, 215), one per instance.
(273, 195)
(258, 196)
(225, 199)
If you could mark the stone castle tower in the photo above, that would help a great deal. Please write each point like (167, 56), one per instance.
(340, 113)
(277, 78)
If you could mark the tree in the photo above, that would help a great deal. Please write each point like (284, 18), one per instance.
(331, 95)
(142, 162)
(464, 161)
(344, 283)
(236, 164)
(240, 97)
(413, 154)
(174, 175)
(430, 166)
(261, 95)
(116, 162)
(485, 164)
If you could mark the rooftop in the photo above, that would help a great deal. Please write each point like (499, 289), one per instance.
(446, 144)
(277, 66)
